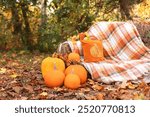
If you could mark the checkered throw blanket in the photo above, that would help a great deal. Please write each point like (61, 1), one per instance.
(126, 56)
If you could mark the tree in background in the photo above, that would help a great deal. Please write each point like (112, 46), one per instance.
(67, 17)
(43, 24)
(116, 10)
(124, 9)
(19, 20)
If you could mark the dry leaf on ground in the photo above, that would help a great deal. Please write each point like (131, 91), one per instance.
(100, 96)
(2, 70)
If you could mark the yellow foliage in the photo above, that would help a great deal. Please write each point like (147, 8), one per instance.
(7, 14)
(142, 10)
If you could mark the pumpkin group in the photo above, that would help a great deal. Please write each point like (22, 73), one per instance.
(55, 74)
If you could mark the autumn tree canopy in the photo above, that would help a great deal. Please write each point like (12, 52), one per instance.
(43, 24)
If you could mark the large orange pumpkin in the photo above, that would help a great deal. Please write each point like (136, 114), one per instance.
(74, 56)
(49, 63)
(54, 78)
(72, 81)
(79, 70)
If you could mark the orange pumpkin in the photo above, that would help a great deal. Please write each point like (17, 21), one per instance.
(54, 78)
(48, 65)
(72, 81)
(74, 56)
(79, 70)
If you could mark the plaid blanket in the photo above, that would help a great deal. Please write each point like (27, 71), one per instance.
(126, 56)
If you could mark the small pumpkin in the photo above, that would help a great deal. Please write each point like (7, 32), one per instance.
(48, 65)
(54, 78)
(78, 70)
(74, 56)
(72, 81)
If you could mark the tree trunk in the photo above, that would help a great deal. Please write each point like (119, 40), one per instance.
(42, 25)
(15, 18)
(98, 6)
(43, 12)
(27, 31)
(124, 9)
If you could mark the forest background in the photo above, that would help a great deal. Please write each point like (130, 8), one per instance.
(43, 24)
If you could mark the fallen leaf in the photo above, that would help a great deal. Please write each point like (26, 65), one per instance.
(112, 94)
(14, 75)
(131, 86)
(12, 94)
(110, 88)
(29, 88)
(14, 81)
(86, 89)
(123, 84)
(2, 70)
(98, 87)
(100, 96)
(123, 91)
(51, 96)
(14, 64)
(139, 96)
(58, 89)
(80, 95)
(35, 62)
(2, 89)
(1, 81)
(90, 97)
(142, 85)
(127, 96)
(14, 55)
(44, 94)
(91, 81)
(24, 98)
(146, 90)
(22, 52)
(68, 94)
(124, 94)
(17, 89)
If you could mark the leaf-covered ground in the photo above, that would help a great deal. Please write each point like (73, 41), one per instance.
(21, 79)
